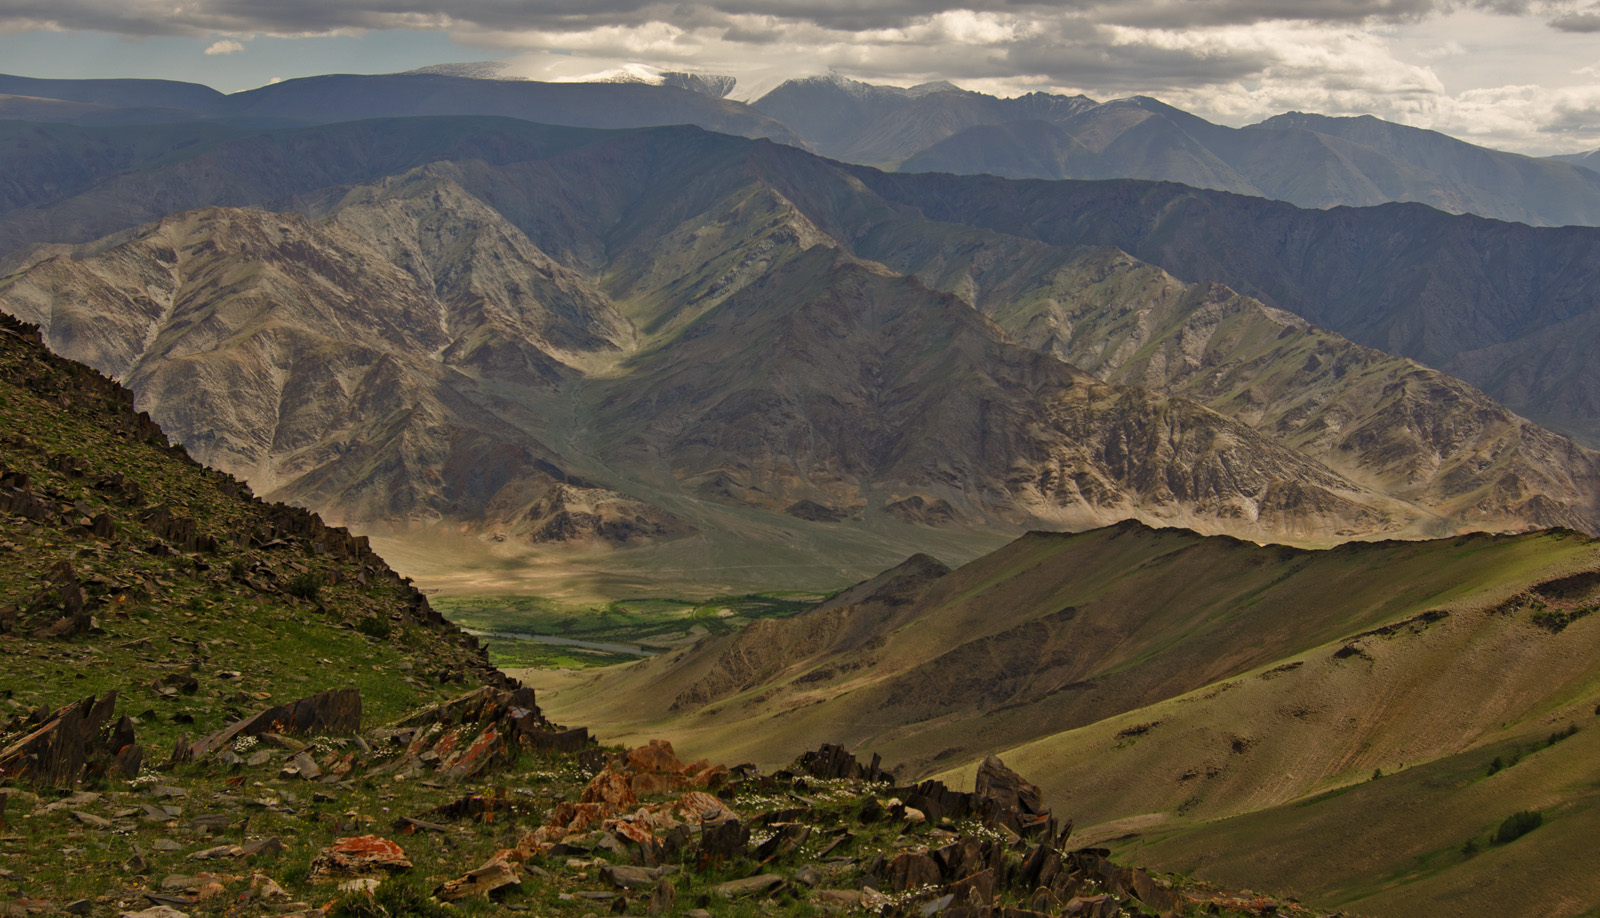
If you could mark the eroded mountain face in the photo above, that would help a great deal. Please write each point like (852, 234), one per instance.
(596, 336)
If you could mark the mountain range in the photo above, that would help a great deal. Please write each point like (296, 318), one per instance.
(1315, 613)
(1312, 161)
(634, 330)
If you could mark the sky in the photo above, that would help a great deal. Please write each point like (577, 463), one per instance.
(1521, 75)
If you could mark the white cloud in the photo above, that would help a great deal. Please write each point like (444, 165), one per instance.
(1457, 65)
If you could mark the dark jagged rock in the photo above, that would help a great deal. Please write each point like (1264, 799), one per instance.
(832, 761)
(475, 807)
(912, 871)
(749, 886)
(59, 609)
(481, 730)
(1002, 798)
(182, 532)
(76, 742)
(787, 838)
(336, 711)
(724, 841)
(1009, 789)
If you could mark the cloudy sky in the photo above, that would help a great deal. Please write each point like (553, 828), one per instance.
(1515, 74)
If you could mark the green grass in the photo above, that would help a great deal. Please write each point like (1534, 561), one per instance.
(532, 655)
(651, 619)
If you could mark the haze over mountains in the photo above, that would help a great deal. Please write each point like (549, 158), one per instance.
(1308, 160)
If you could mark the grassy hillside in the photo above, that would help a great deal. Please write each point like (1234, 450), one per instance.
(184, 571)
(411, 787)
(1184, 695)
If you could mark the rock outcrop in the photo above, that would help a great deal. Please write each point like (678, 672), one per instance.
(76, 742)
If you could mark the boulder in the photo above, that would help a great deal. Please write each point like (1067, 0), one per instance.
(74, 742)
(60, 606)
(1009, 789)
(493, 879)
(482, 729)
(662, 897)
(832, 761)
(623, 876)
(361, 855)
(334, 711)
(913, 871)
(724, 840)
(656, 757)
(749, 886)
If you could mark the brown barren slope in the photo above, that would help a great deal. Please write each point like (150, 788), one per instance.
(1201, 701)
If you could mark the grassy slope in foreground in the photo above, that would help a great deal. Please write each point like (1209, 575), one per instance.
(275, 613)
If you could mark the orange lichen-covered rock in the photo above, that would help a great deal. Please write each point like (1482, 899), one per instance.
(572, 818)
(712, 777)
(632, 831)
(696, 807)
(652, 785)
(655, 758)
(610, 788)
(359, 856)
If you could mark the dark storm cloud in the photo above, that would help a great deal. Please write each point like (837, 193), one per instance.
(1089, 57)
(1585, 22)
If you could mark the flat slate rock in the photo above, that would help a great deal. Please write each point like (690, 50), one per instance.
(749, 886)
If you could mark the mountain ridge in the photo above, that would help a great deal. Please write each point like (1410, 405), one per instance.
(652, 267)
(1207, 692)
(931, 127)
(1312, 161)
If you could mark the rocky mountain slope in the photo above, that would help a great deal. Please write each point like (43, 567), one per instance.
(107, 526)
(490, 322)
(874, 390)
(609, 312)
(1311, 161)
(1187, 694)
(337, 749)
(1373, 417)
(1500, 305)
(305, 359)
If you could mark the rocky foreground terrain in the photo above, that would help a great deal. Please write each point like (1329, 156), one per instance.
(218, 706)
